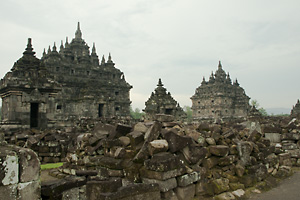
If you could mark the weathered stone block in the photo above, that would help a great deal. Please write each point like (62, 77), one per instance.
(170, 195)
(125, 141)
(185, 193)
(135, 191)
(9, 166)
(220, 185)
(295, 153)
(162, 175)
(248, 180)
(72, 194)
(151, 134)
(285, 159)
(225, 196)
(55, 188)
(210, 162)
(289, 146)
(219, 150)
(123, 129)
(260, 171)
(236, 186)
(136, 138)
(29, 165)
(273, 137)
(111, 163)
(227, 160)
(200, 188)
(29, 190)
(290, 136)
(244, 150)
(164, 186)
(239, 193)
(194, 154)
(95, 188)
(177, 142)
(103, 130)
(157, 146)
(140, 127)
(210, 141)
(163, 162)
(164, 118)
(8, 192)
(188, 179)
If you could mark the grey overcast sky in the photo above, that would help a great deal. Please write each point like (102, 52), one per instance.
(258, 42)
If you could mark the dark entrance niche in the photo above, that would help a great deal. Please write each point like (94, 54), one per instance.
(100, 110)
(34, 115)
(168, 111)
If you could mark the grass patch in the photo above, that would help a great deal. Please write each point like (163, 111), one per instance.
(51, 165)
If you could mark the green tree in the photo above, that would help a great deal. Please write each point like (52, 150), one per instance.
(136, 113)
(255, 103)
(189, 112)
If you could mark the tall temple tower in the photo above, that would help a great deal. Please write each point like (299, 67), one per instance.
(219, 98)
(63, 86)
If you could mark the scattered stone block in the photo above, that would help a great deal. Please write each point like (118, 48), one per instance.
(177, 142)
(164, 186)
(225, 196)
(136, 138)
(220, 185)
(29, 190)
(157, 146)
(185, 193)
(219, 150)
(135, 191)
(140, 127)
(194, 154)
(210, 162)
(188, 179)
(170, 195)
(162, 162)
(162, 175)
(29, 165)
(95, 188)
(9, 165)
(273, 137)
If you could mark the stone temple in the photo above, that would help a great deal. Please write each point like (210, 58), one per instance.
(295, 112)
(161, 102)
(63, 86)
(220, 98)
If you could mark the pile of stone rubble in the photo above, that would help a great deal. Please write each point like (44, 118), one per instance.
(176, 161)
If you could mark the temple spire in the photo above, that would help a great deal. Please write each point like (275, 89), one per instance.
(49, 50)
(29, 49)
(78, 33)
(159, 83)
(61, 46)
(109, 59)
(103, 60)
(220, 65)
(54, 47)
(94, 49)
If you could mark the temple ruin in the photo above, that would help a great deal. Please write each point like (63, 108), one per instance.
(295, 112)
(219, 98)
(161, 102)
(63, 86)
